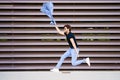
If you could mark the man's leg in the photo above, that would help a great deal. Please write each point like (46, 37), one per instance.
(74, 60)
(63, 57)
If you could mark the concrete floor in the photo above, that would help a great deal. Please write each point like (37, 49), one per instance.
(73, 75)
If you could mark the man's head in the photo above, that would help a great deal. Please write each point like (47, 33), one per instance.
(67, 28)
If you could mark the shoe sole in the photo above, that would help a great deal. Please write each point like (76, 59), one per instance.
(88, 61)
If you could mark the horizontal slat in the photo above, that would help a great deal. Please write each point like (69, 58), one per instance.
(60, 37)
(68, 61)
(54, 31)
(54, 55)
(51, 26)
(32, 67)
(57, 49)
(63, 7)
(61, 13)
(62, 1)
(35, 43)
(66, 19)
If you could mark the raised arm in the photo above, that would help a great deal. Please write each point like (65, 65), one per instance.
(59, 31)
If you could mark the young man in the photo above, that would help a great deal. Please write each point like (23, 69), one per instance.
(72, 51)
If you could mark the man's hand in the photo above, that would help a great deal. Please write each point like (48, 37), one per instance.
(77, 52)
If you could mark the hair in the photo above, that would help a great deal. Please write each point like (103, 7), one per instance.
(68, 27)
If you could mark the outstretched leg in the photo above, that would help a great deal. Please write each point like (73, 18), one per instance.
(63, 57)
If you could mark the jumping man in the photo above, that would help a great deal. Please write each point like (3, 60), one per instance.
(72, 52)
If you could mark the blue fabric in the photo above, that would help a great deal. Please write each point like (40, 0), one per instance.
(70, 53)
(47, 8)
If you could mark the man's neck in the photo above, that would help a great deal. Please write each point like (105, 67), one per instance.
(68, 32)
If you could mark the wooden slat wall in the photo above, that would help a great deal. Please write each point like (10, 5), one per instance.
(29, 42)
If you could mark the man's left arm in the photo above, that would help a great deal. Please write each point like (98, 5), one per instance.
(73, 43)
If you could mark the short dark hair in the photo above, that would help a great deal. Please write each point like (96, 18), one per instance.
(68, 27)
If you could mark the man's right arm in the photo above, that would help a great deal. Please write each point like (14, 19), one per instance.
(59, 31)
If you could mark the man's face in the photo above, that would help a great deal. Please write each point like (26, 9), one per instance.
(65, 29)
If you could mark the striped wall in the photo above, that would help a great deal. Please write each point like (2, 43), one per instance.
(29, 42)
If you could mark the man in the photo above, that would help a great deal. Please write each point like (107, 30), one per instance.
(72, 51)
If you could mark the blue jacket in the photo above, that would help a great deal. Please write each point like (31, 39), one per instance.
(47, 8)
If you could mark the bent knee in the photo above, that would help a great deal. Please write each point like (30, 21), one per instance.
(73, 64)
